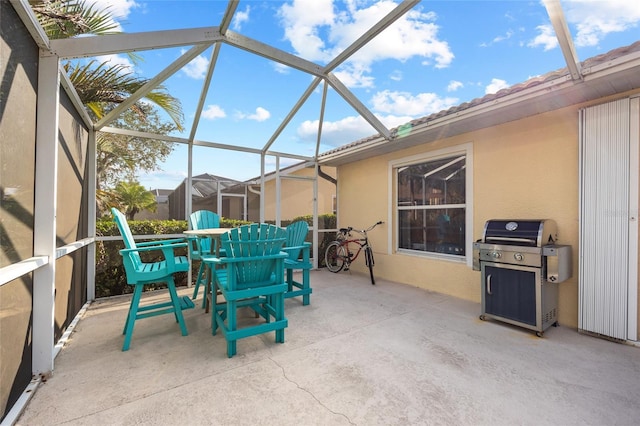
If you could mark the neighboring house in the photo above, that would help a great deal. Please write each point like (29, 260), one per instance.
(296, 193)
(549, 148)
(241, 200)
(207, 192)
(162, 206)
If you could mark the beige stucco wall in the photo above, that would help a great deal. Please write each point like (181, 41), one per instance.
(297, 195)
(524, 169)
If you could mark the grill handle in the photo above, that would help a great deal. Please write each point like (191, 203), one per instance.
(512, 239)
(489, 284)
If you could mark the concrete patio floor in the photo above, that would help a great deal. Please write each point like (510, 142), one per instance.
(387, 354)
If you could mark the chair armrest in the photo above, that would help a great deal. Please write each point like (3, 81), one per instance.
(166, 249)
(160, 242)
(158, 248)
(305, 248)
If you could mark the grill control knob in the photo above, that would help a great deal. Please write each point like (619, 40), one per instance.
(518, 256)
(496, 255)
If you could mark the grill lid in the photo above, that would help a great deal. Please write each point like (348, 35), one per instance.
(520, 232)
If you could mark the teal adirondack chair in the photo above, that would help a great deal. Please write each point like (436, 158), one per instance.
(141, 273)
(250, 275)
(298, 252)
(202, 246)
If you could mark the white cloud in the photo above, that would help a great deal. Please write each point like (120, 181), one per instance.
(336, 133)
(113, 60)
(592, 20)
(303, 21)
(506, 36)
(280, 68)
(318, 32)
(495, 86)
(211, 112)
(406, 104)
(261, 114)
(454, 85)
(396, 75)
(346, 130)
(160, 179)
(353, 75)
(119, 9)
(595, 19)
(197, 68)
(240, 18)
(546, 38)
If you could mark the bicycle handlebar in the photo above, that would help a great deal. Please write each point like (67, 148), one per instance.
(346, 231)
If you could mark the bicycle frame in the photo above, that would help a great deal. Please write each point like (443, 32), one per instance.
(339, 256)
(360, 242)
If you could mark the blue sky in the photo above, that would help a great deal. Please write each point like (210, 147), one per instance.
(440, 54)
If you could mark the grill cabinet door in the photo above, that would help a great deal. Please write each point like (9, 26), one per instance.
(510, 293)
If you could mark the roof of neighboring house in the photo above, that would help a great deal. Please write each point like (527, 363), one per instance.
(161, 192)
(616, 71)
(206, 185)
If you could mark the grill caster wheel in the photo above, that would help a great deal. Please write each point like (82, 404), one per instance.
(539, 333)
(483, 318)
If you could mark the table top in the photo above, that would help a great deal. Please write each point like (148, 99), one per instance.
(207, 232)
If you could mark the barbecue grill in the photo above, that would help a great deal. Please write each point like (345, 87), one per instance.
(521, 265)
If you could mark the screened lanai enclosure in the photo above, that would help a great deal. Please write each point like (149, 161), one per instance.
(49, 176)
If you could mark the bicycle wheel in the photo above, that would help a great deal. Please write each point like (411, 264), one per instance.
(368, 258)
(334, 257)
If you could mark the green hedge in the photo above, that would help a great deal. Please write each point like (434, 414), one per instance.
(111, 279)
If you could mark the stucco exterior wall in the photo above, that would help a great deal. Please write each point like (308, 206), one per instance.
(524, 169)
(297, 195)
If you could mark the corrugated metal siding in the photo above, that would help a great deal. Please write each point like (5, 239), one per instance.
(604, 219)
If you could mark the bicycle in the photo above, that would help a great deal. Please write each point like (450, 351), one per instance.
(339, 256)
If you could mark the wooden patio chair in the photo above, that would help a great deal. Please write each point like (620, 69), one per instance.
(202, 246)
(250, 275)
(140, 273)
(298, 252)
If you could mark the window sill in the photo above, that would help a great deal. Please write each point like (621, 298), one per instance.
(432, 255)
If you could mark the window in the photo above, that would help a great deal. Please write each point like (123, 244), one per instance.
(431, 203)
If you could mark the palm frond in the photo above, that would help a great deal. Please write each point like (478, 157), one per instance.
(69, 18)
(112, 84)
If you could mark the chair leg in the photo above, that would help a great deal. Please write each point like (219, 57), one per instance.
(305, 284)
(208, 276)
(131, 317)
(198, 279)
(214, 309)
(278, 300)
(232, 325)
(289, 279)
(176, 306)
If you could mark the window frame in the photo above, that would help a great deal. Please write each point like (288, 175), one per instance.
(424, 157)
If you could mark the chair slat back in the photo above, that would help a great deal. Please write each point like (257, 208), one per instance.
(257, 245)
(204, 219)
(296, 236)
(121, 220)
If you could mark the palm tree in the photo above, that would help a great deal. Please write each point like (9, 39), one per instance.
(101, 86)
(133, 198)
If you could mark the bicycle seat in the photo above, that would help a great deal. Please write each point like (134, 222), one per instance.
(345, 230)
